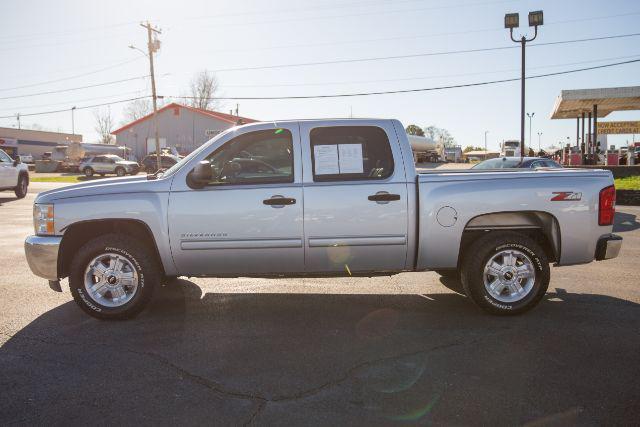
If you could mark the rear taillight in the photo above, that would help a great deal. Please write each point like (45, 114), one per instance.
(607, 206)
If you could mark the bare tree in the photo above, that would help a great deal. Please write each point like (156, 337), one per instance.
(202, 91)
(104, 125)
(136, 110)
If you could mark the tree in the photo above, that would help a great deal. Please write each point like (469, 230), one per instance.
(440, 135)
(472, 148)
(137, 109)
(431, 132)
(414, 130)
(202, 91)
(104, 125)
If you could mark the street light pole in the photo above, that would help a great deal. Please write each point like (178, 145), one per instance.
(73, 124)
(511, 21)
(530, 115)
(485, 143)
(539, 146)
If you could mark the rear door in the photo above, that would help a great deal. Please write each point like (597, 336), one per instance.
(355, 191)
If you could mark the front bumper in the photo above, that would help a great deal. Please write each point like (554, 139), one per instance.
(42, 255)
(608, 247)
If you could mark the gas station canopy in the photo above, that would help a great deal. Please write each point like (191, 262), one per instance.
(572, 103)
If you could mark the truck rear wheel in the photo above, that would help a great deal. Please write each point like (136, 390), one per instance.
(505, 273)
(112, 277)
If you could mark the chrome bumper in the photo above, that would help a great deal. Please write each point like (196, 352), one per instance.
(42, 255)
(608, 247)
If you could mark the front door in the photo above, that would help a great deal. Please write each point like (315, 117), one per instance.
(248, 220)
(355, 192)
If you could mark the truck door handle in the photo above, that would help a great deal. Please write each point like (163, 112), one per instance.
(384, 197)
(279, 201)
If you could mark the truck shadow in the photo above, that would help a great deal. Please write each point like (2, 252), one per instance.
(624, 222)
(4, 200)
(372, 358)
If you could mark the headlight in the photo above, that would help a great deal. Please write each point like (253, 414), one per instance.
(43, 220)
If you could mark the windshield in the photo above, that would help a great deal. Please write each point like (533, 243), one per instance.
(499, 163)
(173, 169)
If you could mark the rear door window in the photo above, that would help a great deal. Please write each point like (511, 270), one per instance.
(345, 153)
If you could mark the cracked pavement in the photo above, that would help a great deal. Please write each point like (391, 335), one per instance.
(382, 351)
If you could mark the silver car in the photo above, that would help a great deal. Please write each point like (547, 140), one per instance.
(108, 163)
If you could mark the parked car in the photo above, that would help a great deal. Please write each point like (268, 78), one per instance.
(150, 163)
(25, 158)
(14, 175)
(517, 162)
(339, 197)
(108, 163)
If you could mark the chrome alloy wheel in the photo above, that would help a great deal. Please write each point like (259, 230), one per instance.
(509, 276)
(111, 280)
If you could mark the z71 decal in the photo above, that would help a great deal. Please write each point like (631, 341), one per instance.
(565, 196)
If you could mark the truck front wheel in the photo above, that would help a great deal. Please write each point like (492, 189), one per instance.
(505, 273)
(113, 276)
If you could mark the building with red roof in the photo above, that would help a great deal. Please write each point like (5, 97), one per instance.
(180, 127)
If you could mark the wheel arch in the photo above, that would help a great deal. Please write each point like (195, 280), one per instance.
(78, 233)
(541, 226)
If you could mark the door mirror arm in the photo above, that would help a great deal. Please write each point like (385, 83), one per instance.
(17, 161)
(200, 176)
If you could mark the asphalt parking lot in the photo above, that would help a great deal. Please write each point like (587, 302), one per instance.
(402, 350)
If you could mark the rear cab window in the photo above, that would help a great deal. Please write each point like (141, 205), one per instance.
(348, 153)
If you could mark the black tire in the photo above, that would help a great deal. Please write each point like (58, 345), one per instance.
(88, 172)
(485, 248)
(139, 256)
(23, 186)
(121, 172)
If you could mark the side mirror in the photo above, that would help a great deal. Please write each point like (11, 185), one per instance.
(16, 161)
(200, 175)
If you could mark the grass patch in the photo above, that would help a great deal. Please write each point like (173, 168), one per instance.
(70, 178)
(629, 183)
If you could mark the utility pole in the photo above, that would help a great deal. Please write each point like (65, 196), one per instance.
(18, 118)
(152, 47)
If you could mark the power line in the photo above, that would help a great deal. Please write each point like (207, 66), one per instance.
(349, 15)
(486, 83)
(77, 108)
(617, 58)
(99, 70)
(344, 95)
(383, 39)
(418, 55)
(74, 101)
(75, 88)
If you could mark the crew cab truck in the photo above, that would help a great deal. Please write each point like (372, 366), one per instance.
(318, 198)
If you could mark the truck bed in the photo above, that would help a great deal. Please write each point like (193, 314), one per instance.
(449, 199)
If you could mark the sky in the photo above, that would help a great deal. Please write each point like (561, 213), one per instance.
(50, 46)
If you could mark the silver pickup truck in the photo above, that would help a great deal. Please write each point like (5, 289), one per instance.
(317, 198)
